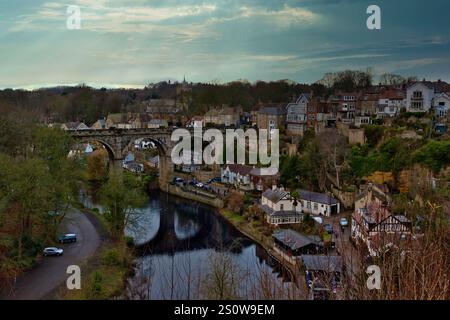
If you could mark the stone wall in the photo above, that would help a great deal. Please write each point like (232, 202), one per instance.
(200, 196)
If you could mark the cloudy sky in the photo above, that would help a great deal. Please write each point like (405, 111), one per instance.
(135, 42)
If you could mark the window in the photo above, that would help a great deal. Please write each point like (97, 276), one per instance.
(417, 95)
(316, 206)
(416, 105)
(281, 207)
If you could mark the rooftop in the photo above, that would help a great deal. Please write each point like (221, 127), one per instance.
(295, 240)
(275, 195)
(272, 110)
(241, 169)
(317, 197)
(322, 263)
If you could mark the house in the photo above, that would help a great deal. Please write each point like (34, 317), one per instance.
(371, 192)
(192, 161)
(245, 119)
(368, 102)
(196, 122)
(224, 116)
(375, 225)
(128, 158)
(88, 149)
(157, 124)
(134, 167)
(296, 115)
(318, 203)
(344, 106)
(271, 117)
(419, 96)
(441, 104)
(118, 120)
(139, 120)
(362, 121)
(323, 274)
(291, 245)
(74, 126)
(390, 104)
(280, 207)
(236, 174)
(167, 109)
(318, 115)
(100, 124)
(261, 181)
(153, 162)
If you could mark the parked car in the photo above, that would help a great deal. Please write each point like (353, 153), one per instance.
(177, 180)
(343, 222)
(67, 238)
(193, 182)
(216, 179)
(52, 251)
(328, 228)
(199, 185)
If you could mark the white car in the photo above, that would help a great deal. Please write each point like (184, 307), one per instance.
(343, 222)
(319, 220)
(52, 251)
(199, 185)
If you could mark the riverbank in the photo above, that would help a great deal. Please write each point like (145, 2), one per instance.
(262, 235)
(104, 275)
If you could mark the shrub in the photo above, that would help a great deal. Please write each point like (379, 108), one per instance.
(96, 285)
(112, 258)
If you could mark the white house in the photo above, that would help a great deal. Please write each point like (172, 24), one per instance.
(157, 123)
(280, 207)
(296, 115)
(419, 97)
(362, 120)
(441, 104)
(318, 203)
(390, 103)
(128, 158)
(74, 126)
(236, 174)
(89, 149)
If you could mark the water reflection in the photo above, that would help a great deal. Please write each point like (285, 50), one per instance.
(179, 245)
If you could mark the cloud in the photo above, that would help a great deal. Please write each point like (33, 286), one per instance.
(284, 17)
(188, 21)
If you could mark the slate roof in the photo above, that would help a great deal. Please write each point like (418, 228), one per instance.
(317, 197)
(275, 195)
(322, 263)
(239, 168)
(72, 125)
(269, 211)
(257, 172)
(295, 240)
(273, 111)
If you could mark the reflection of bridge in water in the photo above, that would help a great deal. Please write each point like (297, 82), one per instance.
(209, 232)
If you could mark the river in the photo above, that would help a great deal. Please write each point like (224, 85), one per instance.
(186, 250)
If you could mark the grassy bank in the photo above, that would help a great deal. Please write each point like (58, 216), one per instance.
(104, 275)
(255, 229)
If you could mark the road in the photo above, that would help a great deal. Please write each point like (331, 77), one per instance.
(50, 273)
(348, 252)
